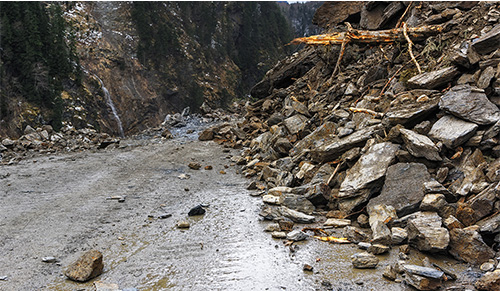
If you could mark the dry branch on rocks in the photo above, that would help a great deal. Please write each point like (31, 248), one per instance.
(369, 37)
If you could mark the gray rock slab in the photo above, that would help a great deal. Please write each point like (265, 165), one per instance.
(403, 187)
(366, 176)
(470, 104)
(452, 131)
(335, 146)
(423, 271)
(425, 232)
(488, 42)
(420, 145)
(434, 79)
(296, 216)
(315, 139)
(409, 112)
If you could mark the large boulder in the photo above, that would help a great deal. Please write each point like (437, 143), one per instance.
(425, 232)
(467, 245)
(471, 104)
(452, 131)
(285, 73)
(403, 188)
(366, 176)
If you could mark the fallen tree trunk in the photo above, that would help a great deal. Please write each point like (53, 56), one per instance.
(369, 37)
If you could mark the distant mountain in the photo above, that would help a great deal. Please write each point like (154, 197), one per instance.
(300, 15)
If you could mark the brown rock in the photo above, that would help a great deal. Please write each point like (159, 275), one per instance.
(207, 134)
(88, 266)
(467, 244)
(194, 165)
(489, 282)
(331, 13)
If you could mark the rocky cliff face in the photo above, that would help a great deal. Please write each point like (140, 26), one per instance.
(141, 61)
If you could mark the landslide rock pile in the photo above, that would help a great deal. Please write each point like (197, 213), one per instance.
(43, 140)
(379, 143)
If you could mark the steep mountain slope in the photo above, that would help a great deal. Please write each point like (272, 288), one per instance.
(142, 60)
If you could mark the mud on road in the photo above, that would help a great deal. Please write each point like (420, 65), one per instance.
(57, 206)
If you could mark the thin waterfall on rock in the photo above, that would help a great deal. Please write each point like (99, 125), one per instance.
(111, 105)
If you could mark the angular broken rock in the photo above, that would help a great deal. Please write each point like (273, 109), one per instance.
(488, 42)
(334, 147)
(378, 249)
(409, 112)
(315, 138)
(336, 222)
(364, 261)
(88, 266)
(296, 216)
(433, 202)
(295, 123)
(452, 131)
(355, 234)
(467, 245)
(419, 145)
(271, 199)
(403, 187)
(434, 79)
(399, 235)
(299, 203)
(379, 216)
(470, 104)
(426, 233)
(296, 235)
(194, 165)
(423, 278)
(365, 177)
(197, 210)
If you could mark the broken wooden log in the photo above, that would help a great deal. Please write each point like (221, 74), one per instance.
(369, 37)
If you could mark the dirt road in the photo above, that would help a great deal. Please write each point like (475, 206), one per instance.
(57, 206)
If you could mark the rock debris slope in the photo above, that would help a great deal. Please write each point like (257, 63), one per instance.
(416, 152)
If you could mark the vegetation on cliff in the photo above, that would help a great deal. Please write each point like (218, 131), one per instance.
(35, 59)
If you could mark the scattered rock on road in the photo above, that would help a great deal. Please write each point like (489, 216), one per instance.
(88, 266)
